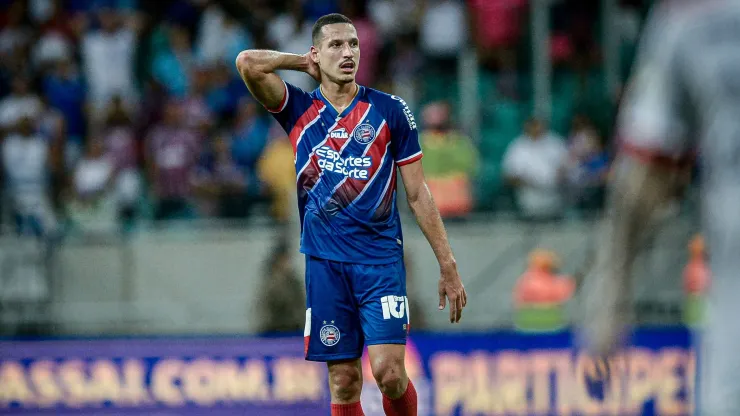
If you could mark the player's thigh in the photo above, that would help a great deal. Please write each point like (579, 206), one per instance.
(380, 292)
(333, 331)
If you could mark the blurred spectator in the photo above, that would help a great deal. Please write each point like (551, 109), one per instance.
(369, 40)
(443, 33)
(55, 16)
(291, 32)
(41, 11)
(197, 113)
(21, 103)
(92, 205)
(51, 124)
(395, 17)
(251, 131)
(172, 65)
(16, 34)
(108, 58)
(26, 162)
(281, 300)
(220, 36)
(450, 162)
(277, 172)
(534, 164)
(120, 146)
(52, 128)
(225, 91)
(151, 107)
(580, 130)
(220, 183)
(172, 151)
(65, 90)
(316, 8)
(496, 24)
(405, 67)
(588, 166)
(52, 47)
(507, 81)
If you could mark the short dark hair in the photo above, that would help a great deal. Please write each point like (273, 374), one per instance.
(328, 19)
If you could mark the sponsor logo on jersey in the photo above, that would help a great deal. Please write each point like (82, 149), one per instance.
(406, 111)
(329, 335)
(352, 167)
(393, 306)
(339, 133)
(364, 133)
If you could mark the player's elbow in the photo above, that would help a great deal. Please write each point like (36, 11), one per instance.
(247, 64)
(242, 61)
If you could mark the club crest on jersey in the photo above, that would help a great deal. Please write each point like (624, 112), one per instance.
(329, 335)
(339, 133)
(364, 133)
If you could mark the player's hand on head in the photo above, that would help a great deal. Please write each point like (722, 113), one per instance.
(313, 67)
(451, 289)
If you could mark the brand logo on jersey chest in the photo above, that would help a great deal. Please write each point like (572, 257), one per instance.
(364, 133)
(339, 133)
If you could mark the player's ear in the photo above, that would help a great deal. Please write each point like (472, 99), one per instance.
(314, 54)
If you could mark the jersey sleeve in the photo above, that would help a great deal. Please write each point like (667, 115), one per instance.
(405, 145)
(295, 102)
(654, 121)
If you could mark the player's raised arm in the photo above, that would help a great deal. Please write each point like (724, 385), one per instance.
(257, 69)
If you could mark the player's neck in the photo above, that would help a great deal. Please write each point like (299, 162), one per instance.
(339, 95)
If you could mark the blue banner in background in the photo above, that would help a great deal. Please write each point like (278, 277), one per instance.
(481, 374)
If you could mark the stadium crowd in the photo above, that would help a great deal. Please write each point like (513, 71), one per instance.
(116, 111)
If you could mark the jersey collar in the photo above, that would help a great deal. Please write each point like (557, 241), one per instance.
(333, 110)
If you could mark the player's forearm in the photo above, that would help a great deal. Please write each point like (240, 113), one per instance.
(255, 62)
(638, 191)
(430, 222)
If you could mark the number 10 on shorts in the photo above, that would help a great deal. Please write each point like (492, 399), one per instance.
(394, 306)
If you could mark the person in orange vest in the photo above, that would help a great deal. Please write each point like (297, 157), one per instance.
(696, 280)
(539, 294)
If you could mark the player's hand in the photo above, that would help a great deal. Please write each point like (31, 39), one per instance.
(313, 68)
(452, 289)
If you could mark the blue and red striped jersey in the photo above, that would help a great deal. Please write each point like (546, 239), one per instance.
(346, 172)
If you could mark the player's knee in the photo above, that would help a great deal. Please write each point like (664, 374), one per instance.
(346, 382)
(390, 376)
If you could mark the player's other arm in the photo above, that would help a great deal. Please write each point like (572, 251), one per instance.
(257, 69)
(640, 188)
(653, 129)
(427, 216)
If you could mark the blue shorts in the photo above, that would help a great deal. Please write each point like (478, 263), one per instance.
(352, 305)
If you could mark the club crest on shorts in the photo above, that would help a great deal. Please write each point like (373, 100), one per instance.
(329, 335)
(364, 133)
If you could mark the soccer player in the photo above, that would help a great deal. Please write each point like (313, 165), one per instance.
(349, 141)
(685, 94)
